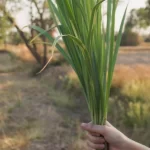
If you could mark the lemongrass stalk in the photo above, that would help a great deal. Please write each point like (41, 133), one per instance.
(91, 48)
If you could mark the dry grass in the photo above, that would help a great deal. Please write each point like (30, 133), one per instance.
(33, 114)
(137, 89)
(141, 47)
(135, 48)
(16, 142)
(125, 74)
(133, 80)
(134, 83)
(22, 52)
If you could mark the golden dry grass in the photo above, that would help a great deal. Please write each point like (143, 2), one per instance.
(16, 142)
(20, 51)
(125, 74)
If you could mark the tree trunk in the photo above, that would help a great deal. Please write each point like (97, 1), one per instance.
(32, 50)
(45, 52)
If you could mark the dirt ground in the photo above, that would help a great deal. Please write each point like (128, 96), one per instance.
(133, 58)
(35, 113)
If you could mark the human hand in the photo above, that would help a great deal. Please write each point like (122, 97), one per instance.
(116, 139)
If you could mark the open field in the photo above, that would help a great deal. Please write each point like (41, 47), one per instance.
(45, 112)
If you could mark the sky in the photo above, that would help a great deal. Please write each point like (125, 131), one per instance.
(22, 18)
(133, 4)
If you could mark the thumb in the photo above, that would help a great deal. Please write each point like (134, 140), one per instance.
(94, 128)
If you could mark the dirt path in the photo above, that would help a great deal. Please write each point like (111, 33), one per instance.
(132, 58)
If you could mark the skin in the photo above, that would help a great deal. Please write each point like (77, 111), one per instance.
(116, 139)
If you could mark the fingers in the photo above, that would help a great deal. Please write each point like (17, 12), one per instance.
(96, 146)
(94, 128)
(94, 134)
(95, 139)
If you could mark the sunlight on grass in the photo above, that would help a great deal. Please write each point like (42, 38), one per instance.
(125, 74)
(16, 142)
(138, 115)
(6, 85)
(137, 89)
(20, 51)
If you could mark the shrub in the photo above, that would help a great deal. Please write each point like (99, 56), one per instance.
(138, 115)
(147, 39)
(130, 39)
(137, 90)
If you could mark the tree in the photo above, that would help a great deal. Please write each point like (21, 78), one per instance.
(5, 26)
(139, 17)
(39, 16)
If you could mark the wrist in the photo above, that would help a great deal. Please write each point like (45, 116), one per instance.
(126, 143)
(132, 145)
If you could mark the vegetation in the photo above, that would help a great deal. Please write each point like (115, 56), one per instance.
(5, 26)
(37, 10)
(89, 48)
(36, 111)
(129, 101)
(140, 17)
(130, 38)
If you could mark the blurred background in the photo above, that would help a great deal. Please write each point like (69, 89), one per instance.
(44, 112)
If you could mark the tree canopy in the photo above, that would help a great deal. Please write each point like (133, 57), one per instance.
(139, 17)
(5, 26)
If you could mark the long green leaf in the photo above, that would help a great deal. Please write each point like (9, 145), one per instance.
(90, 47)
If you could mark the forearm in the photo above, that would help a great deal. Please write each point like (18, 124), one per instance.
(132, 145)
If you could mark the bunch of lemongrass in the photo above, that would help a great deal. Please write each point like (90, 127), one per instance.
(91, 47)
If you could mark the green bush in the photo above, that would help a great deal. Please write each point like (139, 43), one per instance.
(130, 39)
(138, 115)
(137, 90)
